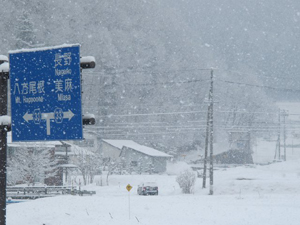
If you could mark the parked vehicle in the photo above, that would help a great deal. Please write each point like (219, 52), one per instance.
(148, 188)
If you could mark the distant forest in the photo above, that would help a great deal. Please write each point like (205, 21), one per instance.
(154, 60)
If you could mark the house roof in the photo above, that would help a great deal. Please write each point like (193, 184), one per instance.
(75, 150)
(137, 147)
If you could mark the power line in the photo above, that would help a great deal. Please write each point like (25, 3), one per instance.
(245, 112)
(130, 123)
(152, 114)
(116, 72)
(197, 80)
(165, 125)
(259, 86)
(154, 83)
(135, 125)
(186, 131)
(259, 75)
(200, 80)
(192, 130)
(154, 133)
(129, 72)
(164, 83)
(205, 104)
(183, 112)
(151, 105)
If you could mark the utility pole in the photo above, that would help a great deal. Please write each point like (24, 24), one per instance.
(4, 127)
(279, 134)
(284, 114)
(206, 148)
(211, 97)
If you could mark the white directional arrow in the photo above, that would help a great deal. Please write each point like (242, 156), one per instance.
(27, 117)
(50, 116)
(68, 115)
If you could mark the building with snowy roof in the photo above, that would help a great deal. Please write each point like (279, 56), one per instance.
(134, 157)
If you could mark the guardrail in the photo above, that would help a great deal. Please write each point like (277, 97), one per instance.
(33, 192)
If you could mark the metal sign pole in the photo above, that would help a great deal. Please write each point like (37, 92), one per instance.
(129, 187)
(3, 146)
(129, 203)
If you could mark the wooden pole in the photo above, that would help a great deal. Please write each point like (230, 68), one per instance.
(211, 169)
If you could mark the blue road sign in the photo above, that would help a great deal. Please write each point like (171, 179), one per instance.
(46, 94)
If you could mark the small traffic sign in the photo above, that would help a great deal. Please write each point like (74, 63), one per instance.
(128, 187)
(46, 94)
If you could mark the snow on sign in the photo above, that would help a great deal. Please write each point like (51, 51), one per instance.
(46, 94)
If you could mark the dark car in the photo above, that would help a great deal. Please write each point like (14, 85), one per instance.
(148, 188)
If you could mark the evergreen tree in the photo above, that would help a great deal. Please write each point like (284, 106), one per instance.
(25, 33)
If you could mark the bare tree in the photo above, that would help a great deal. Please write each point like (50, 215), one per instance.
(30, 165)
(83, 159)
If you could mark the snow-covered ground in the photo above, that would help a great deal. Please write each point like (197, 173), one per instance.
(257, 195)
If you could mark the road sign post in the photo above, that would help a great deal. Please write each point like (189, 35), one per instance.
(46, 94)
(4, 75)
(129, 187)
(25, 91)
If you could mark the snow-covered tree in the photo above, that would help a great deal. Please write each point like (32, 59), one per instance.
(25, 36)
(186, 181)
(29, 165)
